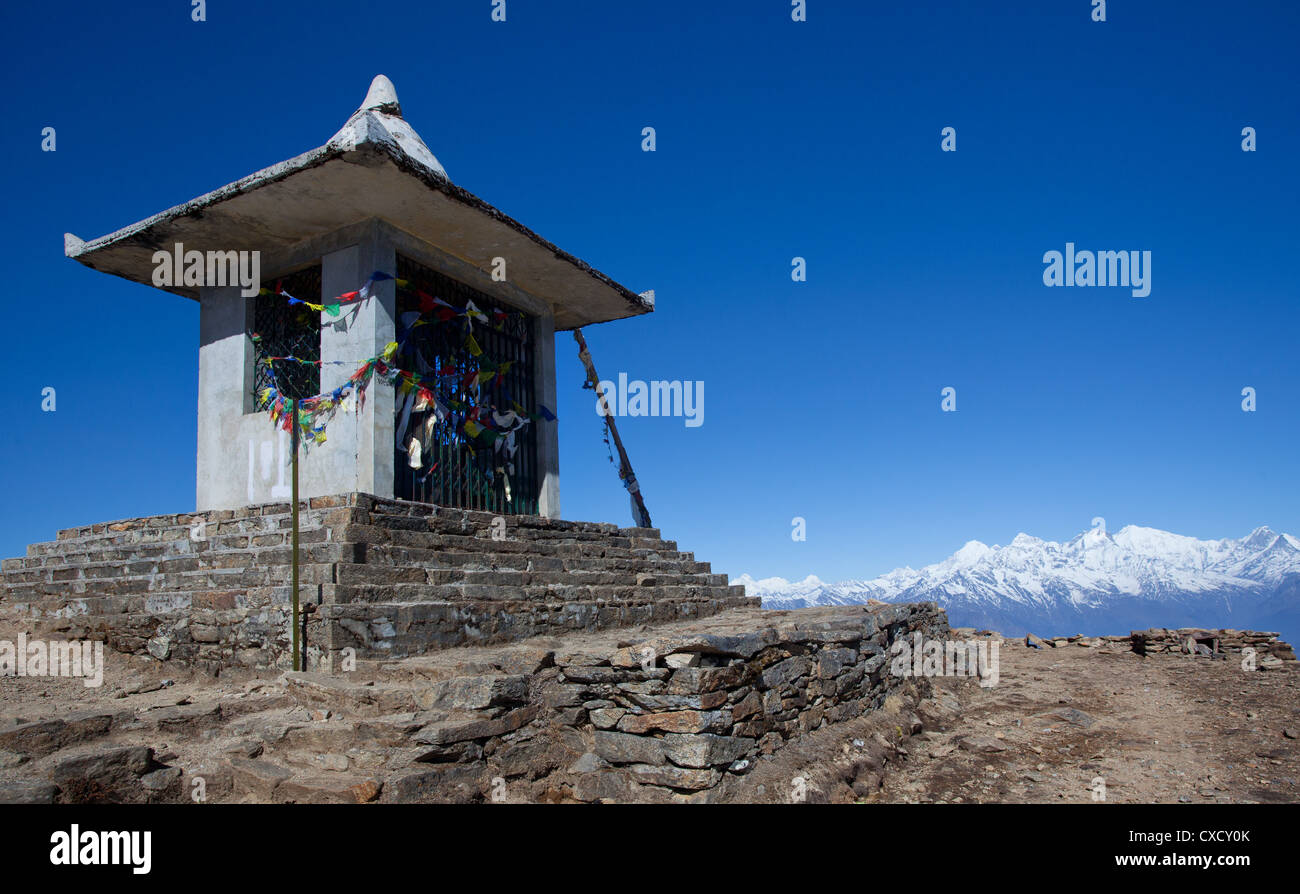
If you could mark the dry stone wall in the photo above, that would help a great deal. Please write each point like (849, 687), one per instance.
(1202, 641)
(676, 715)
(711, 704)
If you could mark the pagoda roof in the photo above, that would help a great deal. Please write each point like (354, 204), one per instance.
(376, 166)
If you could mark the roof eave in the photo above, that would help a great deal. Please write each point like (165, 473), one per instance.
(85, 251)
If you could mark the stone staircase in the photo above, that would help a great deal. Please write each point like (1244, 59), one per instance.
(380, 578)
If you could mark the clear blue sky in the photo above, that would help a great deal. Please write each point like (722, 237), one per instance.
(775, 139)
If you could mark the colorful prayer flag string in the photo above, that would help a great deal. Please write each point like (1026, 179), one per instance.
(334, 306)
(314, 413)
(473, 423)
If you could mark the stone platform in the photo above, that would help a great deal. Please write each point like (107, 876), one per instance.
(380, 578)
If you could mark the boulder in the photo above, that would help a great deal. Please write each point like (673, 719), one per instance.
(48, 736)
(981, 744)
(28, 791)
(164, 784)
(465, 728)
(475, 693)
(107, 776)
(258, 778)
(454, 784)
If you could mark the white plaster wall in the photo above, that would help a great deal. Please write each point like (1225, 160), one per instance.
(243, 460)
(238, 455)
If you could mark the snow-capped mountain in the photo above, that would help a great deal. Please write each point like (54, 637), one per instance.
(1095, 583)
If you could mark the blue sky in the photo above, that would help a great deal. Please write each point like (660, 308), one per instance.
(775, 139)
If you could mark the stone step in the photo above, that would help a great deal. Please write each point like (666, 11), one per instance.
(384, 632)
(512, 558)
(153, 523)
(320, 512)
(69, 584)
(471, 576)
(425, 517)
(117, 534)
(200, 590)
(107, 551)
(185, 555)
(595, 577)
(120, 563)
(398, 709)
(556, 594)
(373, 535)
(396, 629)
(531, 536)
(348, 697)
(71, 554)
(207, 560)
(149, 585)
(165, 603)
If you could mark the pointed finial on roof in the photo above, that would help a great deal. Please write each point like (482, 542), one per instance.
(380, 121)
(382, 97)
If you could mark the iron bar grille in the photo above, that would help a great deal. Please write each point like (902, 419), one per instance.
(453, 472)
(285, 330)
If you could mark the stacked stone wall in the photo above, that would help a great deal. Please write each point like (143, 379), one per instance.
(1184, 640)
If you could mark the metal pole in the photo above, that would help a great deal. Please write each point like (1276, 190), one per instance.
(625, 465)
(293, 582)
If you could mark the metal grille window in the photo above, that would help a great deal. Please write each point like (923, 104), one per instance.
(453, 470)
(286, 330)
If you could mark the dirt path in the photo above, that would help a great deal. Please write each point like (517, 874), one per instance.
(1157, 729)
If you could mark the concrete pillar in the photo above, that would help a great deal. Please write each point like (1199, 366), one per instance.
(344, 344)
(548, 433)
(358, 455)
(225, 386)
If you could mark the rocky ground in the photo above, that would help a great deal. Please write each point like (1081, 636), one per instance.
(1164, 728)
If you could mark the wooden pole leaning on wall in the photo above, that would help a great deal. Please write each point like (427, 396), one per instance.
(293, 575)
(625, 465)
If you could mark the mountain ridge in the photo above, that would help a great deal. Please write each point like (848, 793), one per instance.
(1135, 578)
